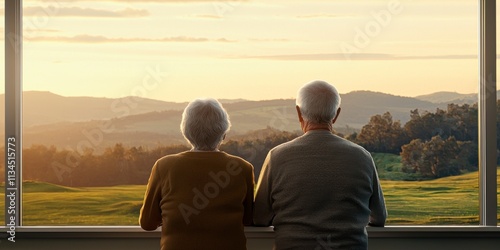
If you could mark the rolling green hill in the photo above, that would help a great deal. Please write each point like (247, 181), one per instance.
(450, 201)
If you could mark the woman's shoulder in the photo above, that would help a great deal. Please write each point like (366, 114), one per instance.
(170, 156)
(168, 159)
(238, 160)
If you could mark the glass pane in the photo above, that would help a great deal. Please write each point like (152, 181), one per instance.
(433, 180)
(105, 84)
(2, 112)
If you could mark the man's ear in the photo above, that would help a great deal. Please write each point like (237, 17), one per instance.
(299, 114)
(336, 116)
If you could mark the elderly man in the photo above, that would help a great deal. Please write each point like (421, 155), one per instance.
(319, 191)
(201, 198)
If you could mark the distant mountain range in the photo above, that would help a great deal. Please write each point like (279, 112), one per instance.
(68, 122)
(451, 97)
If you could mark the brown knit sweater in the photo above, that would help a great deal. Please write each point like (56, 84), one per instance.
(201, 200)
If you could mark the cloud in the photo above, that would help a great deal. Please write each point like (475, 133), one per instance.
(437, 57)
(29, 29)
(49, 30)
(103, 39)
(142, 1)
(268, 40)
(84, 12)
(208, 16)
(358, 56)
(313, 16)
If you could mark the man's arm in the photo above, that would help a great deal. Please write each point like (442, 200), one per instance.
(150, 216)
(263, 213)
(378, 213)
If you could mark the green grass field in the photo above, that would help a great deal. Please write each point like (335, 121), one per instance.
(451, 201)
(48, 204)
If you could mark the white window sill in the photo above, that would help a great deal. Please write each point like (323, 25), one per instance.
(253, 232)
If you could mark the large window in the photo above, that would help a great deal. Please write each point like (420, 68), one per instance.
(105, 84)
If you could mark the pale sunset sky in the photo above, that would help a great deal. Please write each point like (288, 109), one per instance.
(177, 50)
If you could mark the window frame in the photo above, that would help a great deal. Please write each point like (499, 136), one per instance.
(487, 128)
(13, 109)
(487, 114)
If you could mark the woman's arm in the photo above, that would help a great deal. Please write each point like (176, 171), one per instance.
(150, 216)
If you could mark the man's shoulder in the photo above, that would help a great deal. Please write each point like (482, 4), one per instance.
(324, 141)
(283, 147)
(354, 148)
(348, 143)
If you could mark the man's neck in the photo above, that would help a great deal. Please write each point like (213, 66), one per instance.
(307, 126)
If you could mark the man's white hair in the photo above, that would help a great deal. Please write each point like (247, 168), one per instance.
(204, 123)
(318, 102)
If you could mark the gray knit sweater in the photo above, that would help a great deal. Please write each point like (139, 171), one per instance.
(319, 191)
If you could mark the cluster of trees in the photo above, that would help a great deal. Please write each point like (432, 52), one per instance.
(439, 157)
(434, 145)
(119, 165)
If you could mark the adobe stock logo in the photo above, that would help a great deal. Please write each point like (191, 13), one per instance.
(222, 8)
(210, 190)
(373, 28)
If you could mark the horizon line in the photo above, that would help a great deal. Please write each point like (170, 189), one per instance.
(236, 98)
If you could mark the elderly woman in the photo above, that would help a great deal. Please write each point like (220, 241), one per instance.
(201, 198)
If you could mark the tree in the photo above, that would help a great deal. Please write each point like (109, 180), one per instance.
(382, 134)
(426, 125)
(463, 121)
(352, 137)
(435, 158)
(37, 162)
(468, 156)
(411, 156)
(457, 121)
